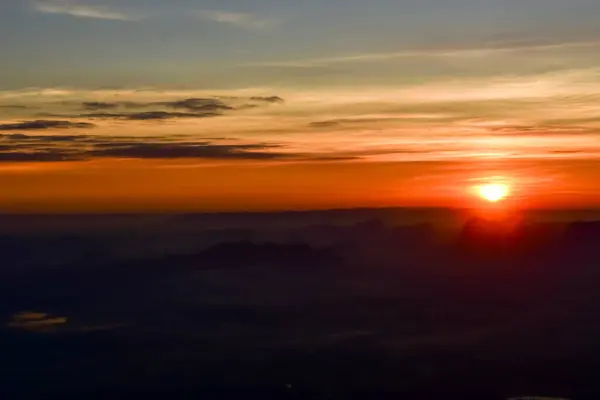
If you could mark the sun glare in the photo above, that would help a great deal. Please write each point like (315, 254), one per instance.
(493, 192)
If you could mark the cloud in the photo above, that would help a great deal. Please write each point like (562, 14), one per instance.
(150, 115)
(372, 120)
(15, 148)
(325, 124)
(483, 50)
(76, 9)
(106, 105)
(537, 130)
(96, 105)
(13, 107)
(162, 115)
(567, 151)
(475, 118)
(37, 156)
(343, 121)
(46, 139)
(55, 148)
(240, 20)
(38, 148)
(193, 107)
(334, 158)
(198, 105)
(44, 124)
(192, 104)
(189, 150)
(270, 99)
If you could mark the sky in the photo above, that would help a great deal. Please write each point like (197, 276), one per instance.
(230, 105)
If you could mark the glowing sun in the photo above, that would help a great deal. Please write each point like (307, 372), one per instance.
(493, 192)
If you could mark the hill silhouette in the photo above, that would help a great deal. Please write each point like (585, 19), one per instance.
(496, 310)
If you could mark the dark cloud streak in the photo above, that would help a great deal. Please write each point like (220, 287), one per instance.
(198, 105)
(45, 139)
(540, 129)
(38, 156)
(97, 106)
(269, 99)
(45, 124)
(20, 147)
(142, 116)
(13, 107)
(187, 150)
(53, 148)
(194, 107)
(324, 124)
(162, 115)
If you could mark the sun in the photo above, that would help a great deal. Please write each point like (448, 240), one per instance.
(493, 192)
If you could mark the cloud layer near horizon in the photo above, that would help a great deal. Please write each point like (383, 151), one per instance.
(436, 129)
(547, 116)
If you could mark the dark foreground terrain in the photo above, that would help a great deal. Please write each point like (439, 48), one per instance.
(365, 310)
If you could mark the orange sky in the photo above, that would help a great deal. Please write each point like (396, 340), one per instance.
(423, 144)
(115, 185)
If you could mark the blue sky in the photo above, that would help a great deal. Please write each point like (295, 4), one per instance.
(211, 43)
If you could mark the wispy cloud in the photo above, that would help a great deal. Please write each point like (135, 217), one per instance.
(241, 20)
(464, 52)
(81, 10)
